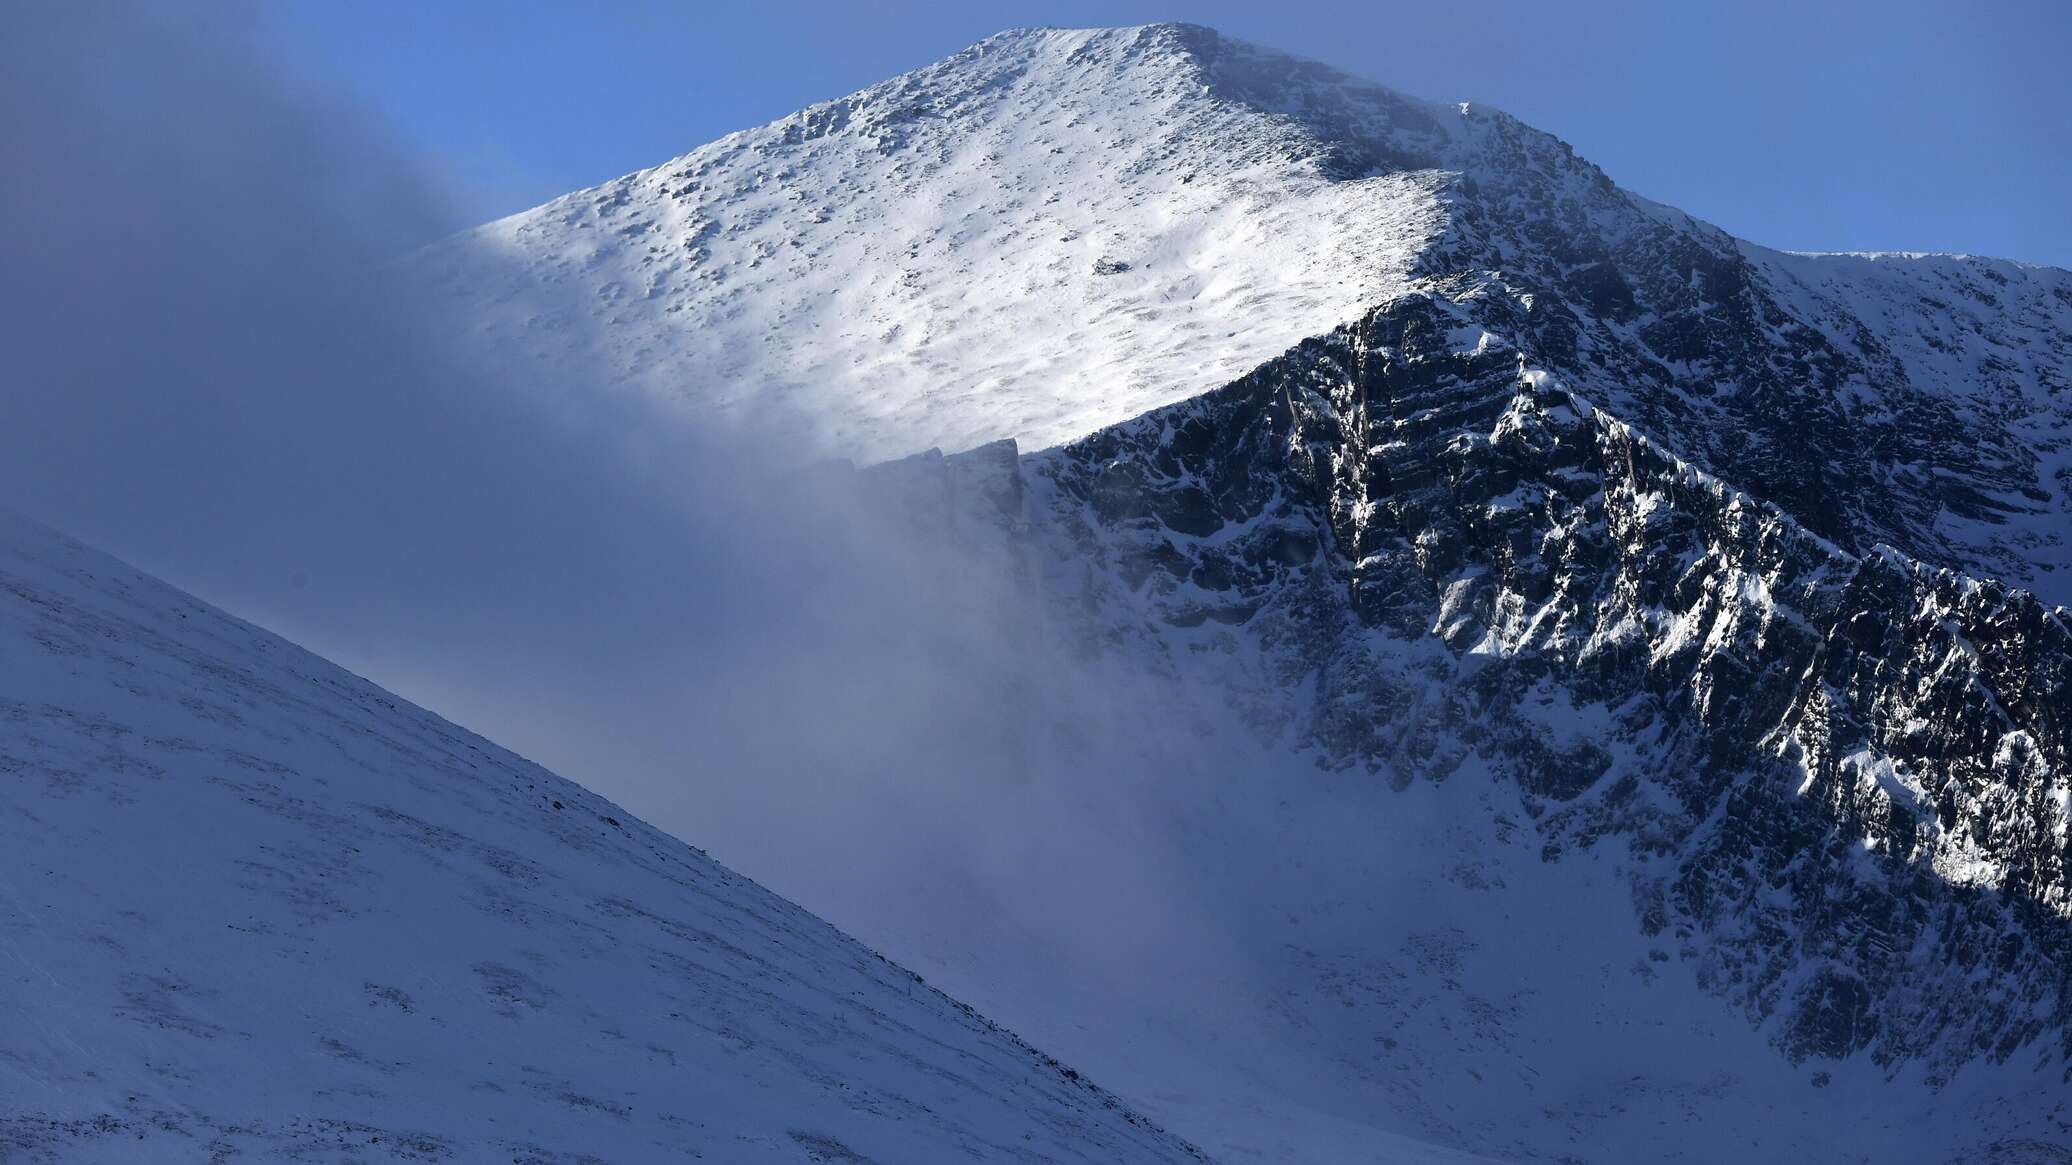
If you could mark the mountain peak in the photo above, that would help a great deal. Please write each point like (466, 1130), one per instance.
(1359, 126)
(1130, 193)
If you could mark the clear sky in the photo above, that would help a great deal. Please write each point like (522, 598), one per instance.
(1813, 124)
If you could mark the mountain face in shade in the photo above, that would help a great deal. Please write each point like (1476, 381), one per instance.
(257, 906)
(1848, 771)
(1826, 793)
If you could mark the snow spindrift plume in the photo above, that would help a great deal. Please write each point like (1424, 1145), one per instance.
(212, 372)
(1403, 742)
(209, 373)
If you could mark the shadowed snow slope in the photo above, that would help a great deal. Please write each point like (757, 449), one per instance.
(254, 904)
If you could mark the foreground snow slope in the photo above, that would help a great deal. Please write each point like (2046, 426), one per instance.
(254, 904)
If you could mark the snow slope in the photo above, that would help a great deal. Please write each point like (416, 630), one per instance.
(253, 905)
(1048, 232)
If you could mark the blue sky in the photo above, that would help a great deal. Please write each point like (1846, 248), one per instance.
(1825, 125)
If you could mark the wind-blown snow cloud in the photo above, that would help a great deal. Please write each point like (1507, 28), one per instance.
(209, 375)
(213, 373)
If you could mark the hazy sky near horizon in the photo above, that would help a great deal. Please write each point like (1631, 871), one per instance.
(1838, 125)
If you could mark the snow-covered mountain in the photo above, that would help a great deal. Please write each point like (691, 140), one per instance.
(1057, 230)
(252, 906)
(1602, 680)
(1679, 615)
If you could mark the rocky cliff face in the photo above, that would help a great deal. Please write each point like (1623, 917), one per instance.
(1693, 543)
(1918, 402)
(1408, 542)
